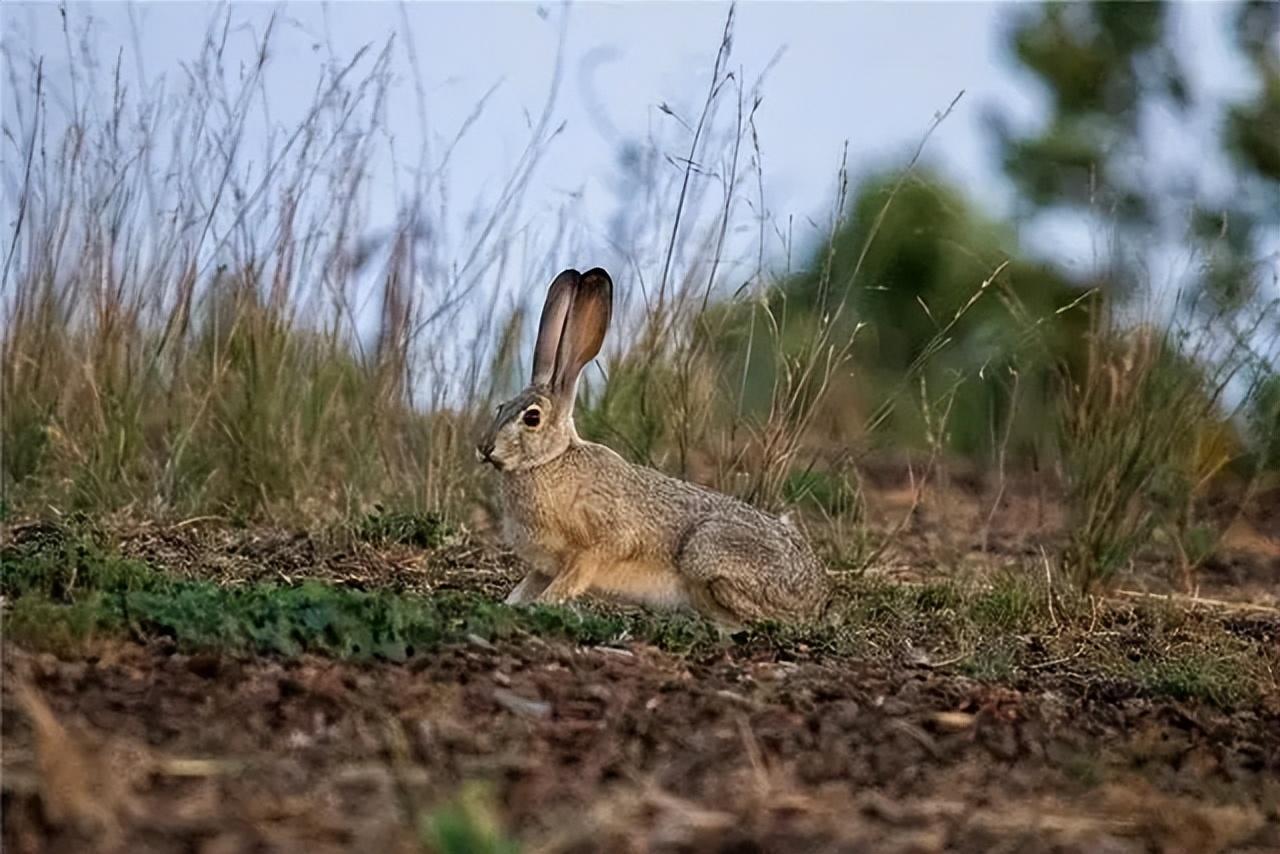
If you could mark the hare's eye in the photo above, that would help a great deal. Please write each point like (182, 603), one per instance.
(531, 418)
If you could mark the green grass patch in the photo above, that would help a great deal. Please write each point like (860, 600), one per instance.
(948, 611)
(468, 824)
(390, 527)
(58, 627)
(995, 660)
(1196, 676)
(1011, 604)
(63, 588)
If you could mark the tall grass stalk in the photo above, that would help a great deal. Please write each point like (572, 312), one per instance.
(197, 319)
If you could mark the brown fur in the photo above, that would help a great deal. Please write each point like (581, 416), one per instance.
(589, 521)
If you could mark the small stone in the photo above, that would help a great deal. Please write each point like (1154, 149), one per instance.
(952, 721)
(522, 706)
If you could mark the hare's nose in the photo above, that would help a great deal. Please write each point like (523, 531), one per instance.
(484, 451)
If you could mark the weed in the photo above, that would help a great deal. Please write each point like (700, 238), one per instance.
(1143, 438)
(385, 527)
(828, 492)
(1195, 676)
(468, 824)
(59, 627)
(994, 661)
(932, 598)
(1011, 604)
(59, 565)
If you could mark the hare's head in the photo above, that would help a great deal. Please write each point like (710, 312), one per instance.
(536, 425)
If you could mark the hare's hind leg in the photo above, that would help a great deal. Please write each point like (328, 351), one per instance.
(708, 604)
(734, 573)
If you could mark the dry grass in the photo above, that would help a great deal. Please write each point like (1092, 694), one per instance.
(189, 330)
(196, 328)
(77, 785)
(199, 325)
(1146, 435)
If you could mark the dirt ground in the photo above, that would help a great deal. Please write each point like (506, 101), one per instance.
(971, 521)
(622, 750)
(139, 746)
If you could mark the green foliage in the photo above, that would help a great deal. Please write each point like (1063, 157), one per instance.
(1253, 127)
(1195, 677)
(385, 527)
(62, 590)
(51, 563)
(1141, 438)
(1105, 66)
(633, 410)
(1010, 604)
(65, 586)
(1264, 420)
(60, 627)
(942, 296)
(1086, 56)
(994, 660)
(468, 824)
(1100, 62)
(933, 598)
(280, 414)
(833, 494)
(1116, 443)
(1144, 434)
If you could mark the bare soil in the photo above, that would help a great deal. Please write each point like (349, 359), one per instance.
(627, 749)
(139, 746)
(612, 750)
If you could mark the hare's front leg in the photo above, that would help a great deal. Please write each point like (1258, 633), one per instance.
(529, 588)
(574, 579)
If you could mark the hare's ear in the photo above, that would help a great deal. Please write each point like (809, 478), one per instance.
(584, 332)
(555, 311)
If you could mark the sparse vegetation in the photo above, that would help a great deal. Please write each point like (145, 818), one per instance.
(383, 527)
(1124, 423)
(63, 590)
(239, 511)
(229, 372)
(1146, 434)
(467, 825)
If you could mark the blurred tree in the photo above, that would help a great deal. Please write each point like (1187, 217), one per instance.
(1101, 64)
(942, 300)
(1118, 97)
(1233, 278)
(1114, 85)
(948, 307)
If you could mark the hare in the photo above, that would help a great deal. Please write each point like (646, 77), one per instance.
(589, 521)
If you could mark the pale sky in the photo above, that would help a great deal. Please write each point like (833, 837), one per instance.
(872, 74)
(869, 73)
